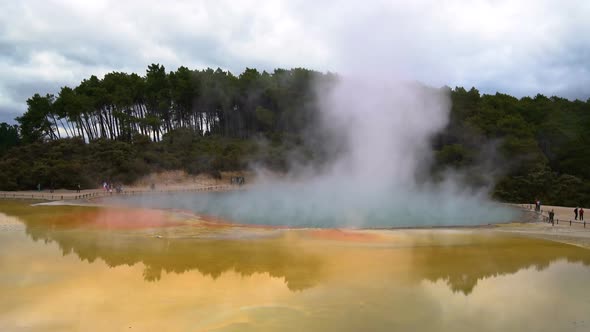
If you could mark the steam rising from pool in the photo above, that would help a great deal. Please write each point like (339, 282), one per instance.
(382, 128)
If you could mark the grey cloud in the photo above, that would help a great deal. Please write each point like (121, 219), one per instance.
(8, 115)
(521, 48)
(11, 53)
(21, 91)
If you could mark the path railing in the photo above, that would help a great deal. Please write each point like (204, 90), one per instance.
(545, 218)
(102, 193)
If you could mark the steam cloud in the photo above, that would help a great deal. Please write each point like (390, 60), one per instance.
(378, 180)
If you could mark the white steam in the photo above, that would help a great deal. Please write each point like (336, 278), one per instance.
(386, 126)
(379, 179)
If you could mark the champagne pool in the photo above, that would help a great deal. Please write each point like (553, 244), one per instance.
(72, 268)
(329, 206)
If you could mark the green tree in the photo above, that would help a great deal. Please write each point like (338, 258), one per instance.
(9, 137)
(35, 124)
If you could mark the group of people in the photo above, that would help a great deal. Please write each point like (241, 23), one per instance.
(239, 180)
(108, 187)
(578, 212)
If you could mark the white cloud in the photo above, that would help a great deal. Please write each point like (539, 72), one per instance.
(523, 48)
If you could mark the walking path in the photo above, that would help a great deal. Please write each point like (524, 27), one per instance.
(561, 230)
(63, 195)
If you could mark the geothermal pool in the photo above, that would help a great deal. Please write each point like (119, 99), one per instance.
(112, 269)
(330, 207)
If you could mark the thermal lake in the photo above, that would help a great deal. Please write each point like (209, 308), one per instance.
(329, 206)
(71, 268)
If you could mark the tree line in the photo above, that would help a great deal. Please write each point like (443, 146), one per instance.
(125, 125)
(204, 101)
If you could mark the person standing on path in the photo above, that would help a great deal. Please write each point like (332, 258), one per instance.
(581, 213)
(576, 213)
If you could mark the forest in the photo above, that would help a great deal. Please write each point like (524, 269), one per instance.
(124, 126)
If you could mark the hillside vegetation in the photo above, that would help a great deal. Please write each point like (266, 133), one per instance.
(124, 126)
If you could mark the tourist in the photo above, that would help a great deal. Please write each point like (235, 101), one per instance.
(576, 213)
(551, 215)
(78, 188)
(581, 213)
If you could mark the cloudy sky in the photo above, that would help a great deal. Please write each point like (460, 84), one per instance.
(519, 47)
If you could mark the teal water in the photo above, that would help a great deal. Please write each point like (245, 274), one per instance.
(297, 206)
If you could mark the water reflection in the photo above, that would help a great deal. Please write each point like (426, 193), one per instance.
(480, 256)
(304, 258)
(81, 272)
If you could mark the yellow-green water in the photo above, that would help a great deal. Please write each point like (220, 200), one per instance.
(91, 269)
